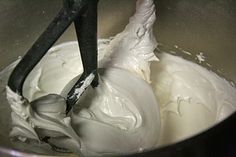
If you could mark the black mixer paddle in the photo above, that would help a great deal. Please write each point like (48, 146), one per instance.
(84, 15)
(86, 29)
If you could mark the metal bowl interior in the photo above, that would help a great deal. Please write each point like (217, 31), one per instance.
(195, 26)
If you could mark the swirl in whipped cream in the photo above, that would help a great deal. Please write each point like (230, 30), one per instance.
(120, 116)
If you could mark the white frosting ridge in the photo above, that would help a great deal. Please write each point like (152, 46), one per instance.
(138, 40)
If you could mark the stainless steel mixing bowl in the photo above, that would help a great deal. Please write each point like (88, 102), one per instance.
(206, 26)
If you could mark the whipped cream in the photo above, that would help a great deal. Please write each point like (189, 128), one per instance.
(123, 114)
(119, 116)
(191, 98)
